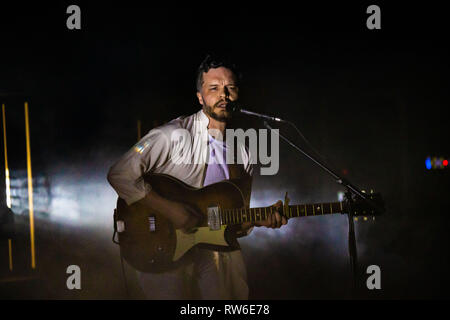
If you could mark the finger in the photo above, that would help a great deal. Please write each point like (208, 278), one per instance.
(274, 220)
(278, 219)
(270, 221)
(195, 212)
(265, 222)
(194, 216)
(278, 204)
(283, 220)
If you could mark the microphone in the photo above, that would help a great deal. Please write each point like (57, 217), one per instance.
(235, 107)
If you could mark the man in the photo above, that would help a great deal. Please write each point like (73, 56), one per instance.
(217, 275)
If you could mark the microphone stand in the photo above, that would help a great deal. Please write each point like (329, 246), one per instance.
(351, 190)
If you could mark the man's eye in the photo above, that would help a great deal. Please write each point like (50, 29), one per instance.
(213, 89)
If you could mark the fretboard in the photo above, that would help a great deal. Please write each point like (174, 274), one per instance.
(236, 216)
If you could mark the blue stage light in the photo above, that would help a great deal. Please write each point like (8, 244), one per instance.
(428, 163)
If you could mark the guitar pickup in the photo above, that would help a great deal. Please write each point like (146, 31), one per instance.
(120, 225)
(152, 223)
(214, 221)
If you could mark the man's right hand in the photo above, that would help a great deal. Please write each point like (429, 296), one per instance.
(183, 216)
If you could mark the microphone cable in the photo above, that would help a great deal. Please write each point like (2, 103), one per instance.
(322, 158)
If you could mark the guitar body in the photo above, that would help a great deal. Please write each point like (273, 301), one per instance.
(149, 241)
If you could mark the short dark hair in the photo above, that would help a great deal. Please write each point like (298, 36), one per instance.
(213, 62)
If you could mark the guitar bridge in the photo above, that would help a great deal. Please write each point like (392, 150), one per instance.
(214, 218)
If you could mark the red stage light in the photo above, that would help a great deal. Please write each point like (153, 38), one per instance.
(445, 163)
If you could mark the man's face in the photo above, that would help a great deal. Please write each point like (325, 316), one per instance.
(218, 89)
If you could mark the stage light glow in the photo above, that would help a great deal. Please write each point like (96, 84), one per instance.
(428, 163)
(301, 231)
(8, 189)
(7, 180)
(436, 163)
(81, 195)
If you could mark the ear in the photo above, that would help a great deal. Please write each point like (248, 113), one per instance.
(200, 98)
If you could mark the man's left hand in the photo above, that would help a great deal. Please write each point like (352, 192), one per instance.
(274, 220)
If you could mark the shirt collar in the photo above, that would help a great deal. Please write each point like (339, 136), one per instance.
(204, 120)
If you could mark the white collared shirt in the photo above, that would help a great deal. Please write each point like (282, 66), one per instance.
(178, 148)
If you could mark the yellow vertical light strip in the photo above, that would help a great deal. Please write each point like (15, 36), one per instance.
(30, 187)
(139, 130)
(10, 255)
(8, 189)
(7, 181)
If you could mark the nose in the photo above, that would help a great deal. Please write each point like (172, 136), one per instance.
(225, 93)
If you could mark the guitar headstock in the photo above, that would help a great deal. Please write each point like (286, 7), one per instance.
(374, 207)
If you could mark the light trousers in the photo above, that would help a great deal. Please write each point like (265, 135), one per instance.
(211, 276)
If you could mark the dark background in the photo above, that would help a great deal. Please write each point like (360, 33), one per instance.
(374, 102)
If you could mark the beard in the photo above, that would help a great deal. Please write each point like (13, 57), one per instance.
(217, 113)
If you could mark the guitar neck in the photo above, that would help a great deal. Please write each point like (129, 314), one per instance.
(236, 216)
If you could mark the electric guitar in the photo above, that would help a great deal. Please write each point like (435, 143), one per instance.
(150, 243)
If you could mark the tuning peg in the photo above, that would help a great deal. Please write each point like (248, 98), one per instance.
(373, 218)
(371, 191)
(365, 218)
(355, 219)
(363, 191)
(286, 199)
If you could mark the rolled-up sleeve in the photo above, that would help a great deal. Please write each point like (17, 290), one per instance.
(126, 175)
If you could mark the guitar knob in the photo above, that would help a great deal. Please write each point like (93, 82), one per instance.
(120, 225)
(160, 248)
